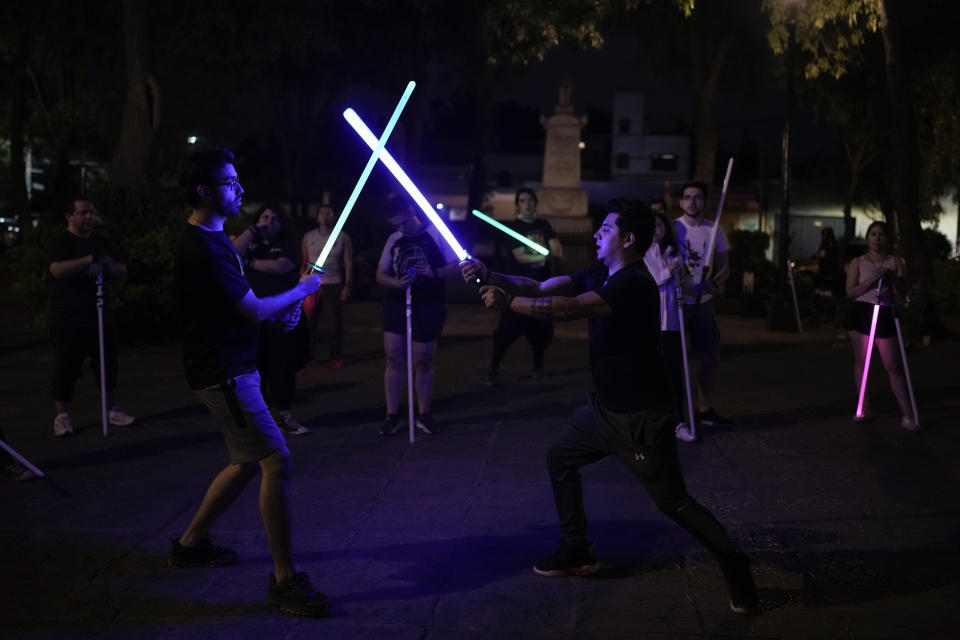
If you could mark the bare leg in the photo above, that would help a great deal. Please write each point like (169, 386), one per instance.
(395, 373)
(224, 489)
(275, 510)
(859, 343)
(889, 350)
(423, 371)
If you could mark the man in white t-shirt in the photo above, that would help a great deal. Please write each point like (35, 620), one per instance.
(337, 278)
(693, 238)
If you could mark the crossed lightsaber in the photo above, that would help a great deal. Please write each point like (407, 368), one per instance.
(378, 146)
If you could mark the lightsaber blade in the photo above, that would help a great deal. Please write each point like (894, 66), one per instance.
(410, 416)
(906, 371)
(686, 363)
(513, 234)
(716, 223)
(104, 409)
(866, 360)
(364, 132)
(23, 461)
(347, 208)
(793, 290)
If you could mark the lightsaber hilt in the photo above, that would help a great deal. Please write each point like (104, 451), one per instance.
(292, 317)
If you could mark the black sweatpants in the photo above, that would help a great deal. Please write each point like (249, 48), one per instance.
(73, 345)
(645, 443)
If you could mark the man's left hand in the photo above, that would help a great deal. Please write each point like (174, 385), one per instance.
(494, 297)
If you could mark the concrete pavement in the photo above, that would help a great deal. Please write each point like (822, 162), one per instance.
(853, 529)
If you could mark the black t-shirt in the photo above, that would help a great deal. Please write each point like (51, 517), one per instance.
(625, 355)
(538, 231)
(218, 343)
(73, 300)
(403, 252)
(270, 284)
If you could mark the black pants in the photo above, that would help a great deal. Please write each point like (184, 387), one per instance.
(513, 325)
(644, 442)
(73, 345)
(279, 356)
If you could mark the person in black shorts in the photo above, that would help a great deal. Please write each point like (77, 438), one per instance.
(414, 255)
(271, 254)
(526, 262)
(75, 257)
(630, 414)
(221, 315)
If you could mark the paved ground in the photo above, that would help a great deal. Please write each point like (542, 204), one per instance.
(854, 529)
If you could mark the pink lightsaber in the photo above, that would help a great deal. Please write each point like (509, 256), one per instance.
(866, 360)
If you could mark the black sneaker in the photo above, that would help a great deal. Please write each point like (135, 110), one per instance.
(427, 424)
(18, 473)
(570, 561)
(743, 591)
(391, 425)
(295, 596)
(202, 554)
(711, 418)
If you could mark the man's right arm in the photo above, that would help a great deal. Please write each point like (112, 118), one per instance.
(471, 268)
(257, 310)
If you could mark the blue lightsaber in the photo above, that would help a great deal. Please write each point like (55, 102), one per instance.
(510, 232)
(364, 132)
(347, 208)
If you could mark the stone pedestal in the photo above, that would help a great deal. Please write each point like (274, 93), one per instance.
(561, 194)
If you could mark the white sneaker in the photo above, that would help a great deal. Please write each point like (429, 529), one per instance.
(683, 432)
(289, 424)
(119, 418)
(909, 423)
(62, 425)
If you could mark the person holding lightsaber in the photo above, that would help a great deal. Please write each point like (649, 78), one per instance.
(878, 269)
(531, 264)
(663, 262)
(694, 235)
(630, 414)
(76, 257)
(414, 256)
(220, 332)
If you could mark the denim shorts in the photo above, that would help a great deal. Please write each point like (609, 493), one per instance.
(248, 428)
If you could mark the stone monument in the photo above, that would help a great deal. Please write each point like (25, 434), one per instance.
(561, 195)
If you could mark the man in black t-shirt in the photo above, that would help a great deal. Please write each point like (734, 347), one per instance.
(629, 415)
(528, 263)
(221, 314)
(75, 258)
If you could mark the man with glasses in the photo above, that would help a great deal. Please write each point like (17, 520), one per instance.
(75, 258)
(693, 238)
(221, 314)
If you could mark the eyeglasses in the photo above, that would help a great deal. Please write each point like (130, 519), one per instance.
(233, 184)
(696, 198)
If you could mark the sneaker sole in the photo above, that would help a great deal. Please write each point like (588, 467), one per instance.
(322, 612)
(580, 572)
(744, 611)
(430, 432)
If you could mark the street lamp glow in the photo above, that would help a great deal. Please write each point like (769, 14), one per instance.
(510, 232)
(364, 132)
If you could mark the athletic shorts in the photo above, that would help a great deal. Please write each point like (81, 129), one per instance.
(248, 428)
(860, 314)
(702, 328)
(427, 319)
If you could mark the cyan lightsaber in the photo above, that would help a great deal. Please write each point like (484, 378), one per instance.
(510, 232)
(866, 360)
(364, 132)
(377, 148)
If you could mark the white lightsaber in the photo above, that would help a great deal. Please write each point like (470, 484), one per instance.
(410, 416)
(377, 148)
(364, 132)
(716, 223)
(104, 409)
(23, 461)
(906, 370)
(793, 290)
(866, 360)
(686, 365)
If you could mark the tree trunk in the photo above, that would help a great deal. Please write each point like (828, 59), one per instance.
(141, 113)
(706, 77)
(906, 185)
(18, 118)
